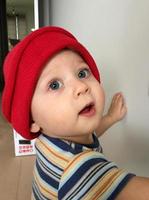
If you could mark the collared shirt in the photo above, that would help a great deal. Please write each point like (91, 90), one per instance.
(70, 171)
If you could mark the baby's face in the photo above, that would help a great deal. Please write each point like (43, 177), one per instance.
(68, 101)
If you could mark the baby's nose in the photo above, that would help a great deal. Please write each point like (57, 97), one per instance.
(81, 88)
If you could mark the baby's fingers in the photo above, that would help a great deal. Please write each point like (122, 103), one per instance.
(118, 99)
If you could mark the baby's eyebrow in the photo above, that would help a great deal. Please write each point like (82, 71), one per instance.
(81, 60)
(81, 63)
(50, 72)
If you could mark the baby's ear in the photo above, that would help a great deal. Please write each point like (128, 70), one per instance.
(34, 128)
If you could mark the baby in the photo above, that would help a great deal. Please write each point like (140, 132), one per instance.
(53, 92)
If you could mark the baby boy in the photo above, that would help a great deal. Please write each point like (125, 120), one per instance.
(53, 93)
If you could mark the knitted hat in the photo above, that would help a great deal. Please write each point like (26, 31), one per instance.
(22, 68)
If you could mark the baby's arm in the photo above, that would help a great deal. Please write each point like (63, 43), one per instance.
(116, 112)
(137, 188)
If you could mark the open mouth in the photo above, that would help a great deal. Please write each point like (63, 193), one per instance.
(89, 109)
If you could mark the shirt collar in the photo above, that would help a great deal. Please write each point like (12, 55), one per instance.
(73, 147)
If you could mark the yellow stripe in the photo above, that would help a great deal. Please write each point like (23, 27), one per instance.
(51, 155)
(81, 156)
(75, 160)
(103, 184)
(43, 189)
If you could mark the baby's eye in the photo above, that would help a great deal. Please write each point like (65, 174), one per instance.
(55, 85)
(84, 73)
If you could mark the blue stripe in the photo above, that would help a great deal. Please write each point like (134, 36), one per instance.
(36, 192)
(79, 174)
(47, 178)
(78, 148)
(40, 154)
(95, 175)
(59, 143)
(49, 170)
(86, 183)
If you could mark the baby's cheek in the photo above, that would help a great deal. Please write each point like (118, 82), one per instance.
(100, 100)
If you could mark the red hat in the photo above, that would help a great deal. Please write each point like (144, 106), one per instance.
(22, 68)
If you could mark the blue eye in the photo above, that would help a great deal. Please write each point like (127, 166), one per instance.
(55, 85)
(84, 73)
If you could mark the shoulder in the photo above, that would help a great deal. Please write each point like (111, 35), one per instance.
(82, 162)
(90, 175)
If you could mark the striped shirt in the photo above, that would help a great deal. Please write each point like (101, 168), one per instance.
(70, 171)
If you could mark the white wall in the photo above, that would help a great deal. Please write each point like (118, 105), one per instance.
(117, 34)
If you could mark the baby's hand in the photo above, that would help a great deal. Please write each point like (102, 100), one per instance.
(117, 109)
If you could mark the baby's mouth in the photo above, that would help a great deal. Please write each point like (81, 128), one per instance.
(88, 110)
